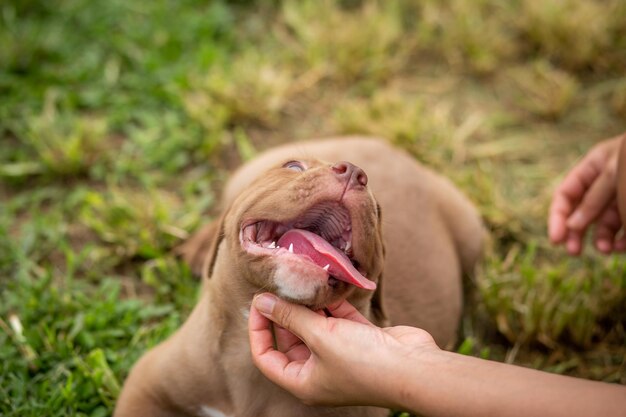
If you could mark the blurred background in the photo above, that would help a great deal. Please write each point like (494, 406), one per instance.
(120, 120)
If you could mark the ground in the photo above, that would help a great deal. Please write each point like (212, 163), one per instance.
(120, 120)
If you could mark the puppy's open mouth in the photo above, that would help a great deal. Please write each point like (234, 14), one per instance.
(322, 236)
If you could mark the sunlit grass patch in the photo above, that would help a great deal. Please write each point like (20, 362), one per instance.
(474, 35)
(171, 282)
(137, 223)
(407, 120)
(615, 58)
(364, 42)
(162, 146)
(250, 87)
(534, 299)
(60, 144)
(541, 89)
(574, 33)
(73, 343)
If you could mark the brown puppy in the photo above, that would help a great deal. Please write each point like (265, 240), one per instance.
(327, 214)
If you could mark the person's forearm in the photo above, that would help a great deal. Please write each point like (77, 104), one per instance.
(450, 384)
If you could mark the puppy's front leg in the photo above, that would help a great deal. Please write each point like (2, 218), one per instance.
(144, 393)
(136, 402)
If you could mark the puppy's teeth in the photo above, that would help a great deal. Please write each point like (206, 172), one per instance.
(291, 247)
(326, 267)
(272, 245)
(348, 246)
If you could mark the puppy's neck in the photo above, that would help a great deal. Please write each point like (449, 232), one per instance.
(229, 292)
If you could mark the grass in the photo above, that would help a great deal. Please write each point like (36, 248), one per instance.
(119, 121)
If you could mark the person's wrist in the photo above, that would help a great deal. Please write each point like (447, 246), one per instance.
(414, 369)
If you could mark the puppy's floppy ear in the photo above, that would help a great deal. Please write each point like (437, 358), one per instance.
(377, 305)
(200, 250)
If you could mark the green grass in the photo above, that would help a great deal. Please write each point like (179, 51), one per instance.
(120, 120)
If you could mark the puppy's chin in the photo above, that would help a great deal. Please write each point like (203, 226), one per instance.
(304, 283)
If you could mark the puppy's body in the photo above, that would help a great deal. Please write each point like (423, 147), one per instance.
(432, 235)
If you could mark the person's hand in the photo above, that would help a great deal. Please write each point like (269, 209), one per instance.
(345, 360)
(588, 194)
(338, 360)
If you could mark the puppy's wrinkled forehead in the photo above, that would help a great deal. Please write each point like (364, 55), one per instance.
(285, 190)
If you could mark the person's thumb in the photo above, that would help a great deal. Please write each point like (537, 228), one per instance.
(298, 319)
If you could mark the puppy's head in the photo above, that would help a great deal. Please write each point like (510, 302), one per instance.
(308, 231)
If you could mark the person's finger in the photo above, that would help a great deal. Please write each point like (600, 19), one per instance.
(568, 194)
(298, 319)
(298, 352)
(290, 344)
(561, 207)
(273, 364)
(574, 242)
(344, 310)
(620, 243)
(608, 225)
(285, 340)
(600, 193)
(260, 333)
(572, 190)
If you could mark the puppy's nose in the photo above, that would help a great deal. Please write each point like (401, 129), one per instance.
(350, 173)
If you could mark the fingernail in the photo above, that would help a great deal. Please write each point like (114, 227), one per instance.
(264, 303)
(576, 220)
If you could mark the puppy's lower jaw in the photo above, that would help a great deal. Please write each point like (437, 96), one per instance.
(298, 281)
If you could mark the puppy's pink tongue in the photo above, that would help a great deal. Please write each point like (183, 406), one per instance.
(323, 253)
